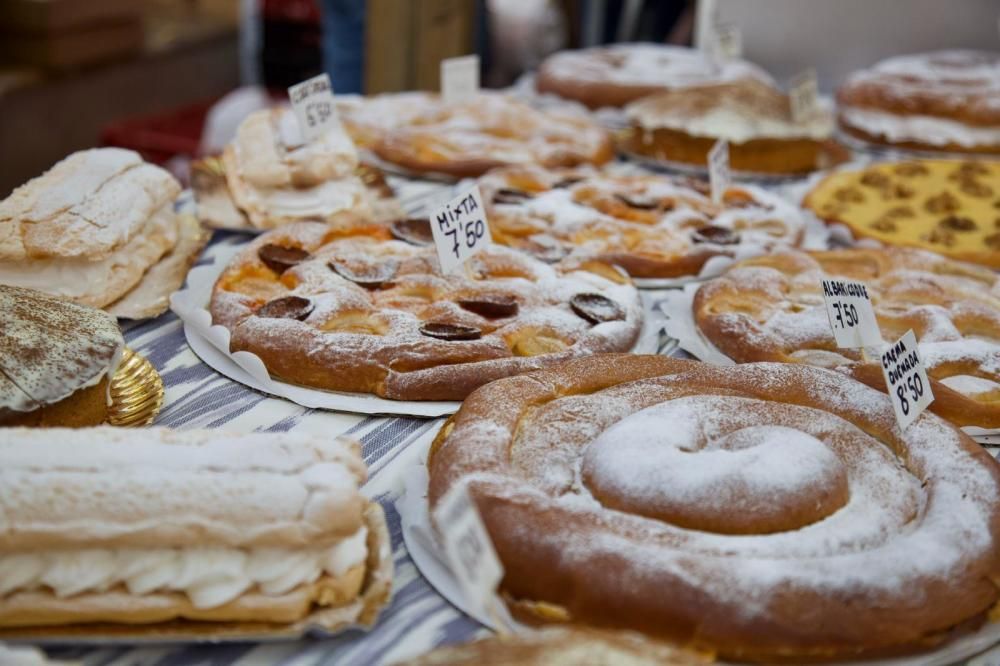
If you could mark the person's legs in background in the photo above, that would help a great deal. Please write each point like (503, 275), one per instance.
(344, 44)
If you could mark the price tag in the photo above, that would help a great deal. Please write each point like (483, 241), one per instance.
(468, 547)
(459, 78)
(718, 170)
(312, 101)
(460, 229)
(851, 315)
(803, 94)
(909, 388)
(727, 42)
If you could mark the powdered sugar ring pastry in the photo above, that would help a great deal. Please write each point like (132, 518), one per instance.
(621, 73)
(491, 130)
(942, 100)
(650, 225)
(771, 308)
(373, 315)
(764, 511)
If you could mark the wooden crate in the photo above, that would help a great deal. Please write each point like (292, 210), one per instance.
(405, 41)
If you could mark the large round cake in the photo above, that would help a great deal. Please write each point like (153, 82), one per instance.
(764, 511)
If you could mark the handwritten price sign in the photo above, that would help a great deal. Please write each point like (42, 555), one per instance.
(906, 379)
(460, 229)
(803, 95)
(312, 101)
(459, 79)
(719, 175)
(852, 318)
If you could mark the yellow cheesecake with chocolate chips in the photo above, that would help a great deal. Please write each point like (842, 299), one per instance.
(947, 206)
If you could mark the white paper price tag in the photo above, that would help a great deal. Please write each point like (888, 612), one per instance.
(460, 229)
(468, 547)
(312, 101)
(459, 78)
(718, 170)
(727, 42)
(906, 379)
(803, 94)
(851, 315)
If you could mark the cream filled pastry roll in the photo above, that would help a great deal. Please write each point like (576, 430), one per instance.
(89, 228)
(275, 176)
(142, 527)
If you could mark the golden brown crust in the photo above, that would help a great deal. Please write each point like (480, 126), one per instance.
(650, 225)
(373, 338)
(613, 76)
(958, 85)
(86, 407)
(946, 206)
(564, 550)
(468, 139)
(771, 309)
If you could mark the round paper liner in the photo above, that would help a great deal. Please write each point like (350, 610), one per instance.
(136, 392)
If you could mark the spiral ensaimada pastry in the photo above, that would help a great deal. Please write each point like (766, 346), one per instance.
(764, 511)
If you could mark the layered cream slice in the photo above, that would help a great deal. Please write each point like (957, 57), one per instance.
(275, 176)
(140, 527)
(89, 228)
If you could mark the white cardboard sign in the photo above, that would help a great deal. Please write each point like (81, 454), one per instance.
(459, 78)
(727, 42)
(803, 94)
(312, 101)
(906, 379)
(468, 547)
(719, 175)
(852, 318)
(460, 229)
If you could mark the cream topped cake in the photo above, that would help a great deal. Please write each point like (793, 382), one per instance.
(89, 228)
(56, 360)
(275, 176)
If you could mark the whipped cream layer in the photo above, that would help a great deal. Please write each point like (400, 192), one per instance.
(269, 206)
(209, 577)
(79, 279)
(737, 126)
(925, 129)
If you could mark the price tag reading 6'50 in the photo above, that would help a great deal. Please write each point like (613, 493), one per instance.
(906, 379)
(312, 101)
(460, 229)
(852, 318)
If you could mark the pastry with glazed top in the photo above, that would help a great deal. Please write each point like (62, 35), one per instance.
(751, 115)
(765, 511)
(367, 119)
(56, 360)
(91, 227)
(938, 101)
(562, 646)
(128, 532)
(469, 138)
(375, 315)
(949, 207)
(621, 73)
(273, 176)
(653, 226)
(771, 308)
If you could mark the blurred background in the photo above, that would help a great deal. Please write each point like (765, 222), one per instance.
(146, 75)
